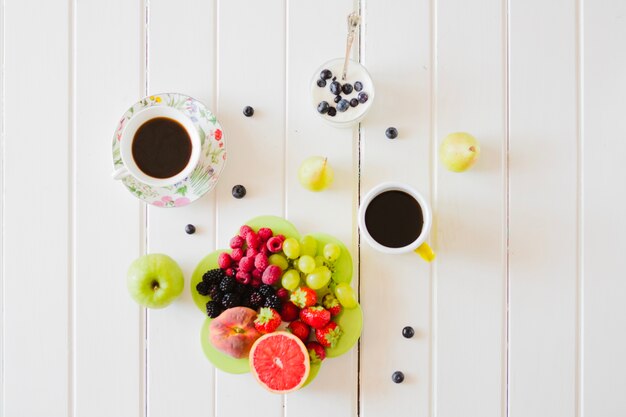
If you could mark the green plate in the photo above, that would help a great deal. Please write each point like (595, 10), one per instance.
(343, 266)
(315, 368)
(221, 360)
(351, 322)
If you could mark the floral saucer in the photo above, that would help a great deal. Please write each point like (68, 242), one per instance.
(212, 158)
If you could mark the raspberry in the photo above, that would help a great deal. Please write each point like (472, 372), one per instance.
(256, 274)
(271, 274)
(251, 252)
(290, 311)
(265, 251)
(281, 237)
(274, 244)
(253, 240)
(256, 282)
(230, 272)
(236, 242)
(246, 264)
(261, 262)
(236, 254)
(243, 277)
(265, 233)
(282, 293)
(224, 260)
(244, 230)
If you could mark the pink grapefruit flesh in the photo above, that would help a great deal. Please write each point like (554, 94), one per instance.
(280, 362)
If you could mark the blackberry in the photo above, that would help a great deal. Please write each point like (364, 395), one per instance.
(214, 291)
(245, 301)
(218, 297)
(203, 288)
(266, 290)
(231, 299)
(256, 299)
(227, 284)
(241, 288)
(213, 309)
(213, 276)
(274, 302)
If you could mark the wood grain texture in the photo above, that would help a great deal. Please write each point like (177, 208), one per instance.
(602, 287)
(470, 220)
(36, 210)
(543, 208)
(332, 210)
(398, 285)
(251, 72)
(109, 364)
(176, 62)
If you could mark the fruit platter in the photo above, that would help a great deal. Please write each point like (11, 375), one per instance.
(278, 304)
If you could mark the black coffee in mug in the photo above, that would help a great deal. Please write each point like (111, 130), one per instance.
(394, 219)
(161, 147)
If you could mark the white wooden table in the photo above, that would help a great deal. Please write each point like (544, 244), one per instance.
(521, 315)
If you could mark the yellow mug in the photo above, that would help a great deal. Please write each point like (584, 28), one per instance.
(388, 223)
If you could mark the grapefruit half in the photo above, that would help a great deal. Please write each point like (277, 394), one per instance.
(280, 362)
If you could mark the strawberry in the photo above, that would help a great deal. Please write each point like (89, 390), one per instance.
(328, 335)
(290, 311)
(304, 297)
(317, 353)
(299, 329)
(267, 320)
(316, 317)
(331, 303)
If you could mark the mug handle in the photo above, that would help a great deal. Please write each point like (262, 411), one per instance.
(426, 252)
(120, 173)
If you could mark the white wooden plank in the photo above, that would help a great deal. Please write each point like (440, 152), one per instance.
(543, 208)
(251, 72)
(603, 197)
(37, 209)
(109, 331)
(181, 59)
(470, 217)
(2, 152)
(396, 289)
(330, 211)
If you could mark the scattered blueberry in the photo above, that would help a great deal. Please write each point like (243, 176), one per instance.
(248, 111)
(358, 86)
(321, 82)
(363, 97)
(346, 88)
(335, 88)
(343, 105)
(408, 332)
(334, 78)
(239, 191)
(354, 102)
(190, 229)
(326, 74)
(323, 107)
(391, 132)
(337, 99)
(332, 112)
(397, 377)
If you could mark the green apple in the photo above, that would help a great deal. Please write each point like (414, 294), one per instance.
(155, 280)
(459, 151)
(315, 174)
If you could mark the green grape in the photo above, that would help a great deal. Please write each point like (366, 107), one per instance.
(278, 260)
(290, 279)
(308, 246)
(306, 264)
(346, 296)
(332, 252)
(320, 261)
(318, 278)
(291, 247)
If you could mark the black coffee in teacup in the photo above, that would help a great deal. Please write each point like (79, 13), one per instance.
(394, 219)
(161, 147)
